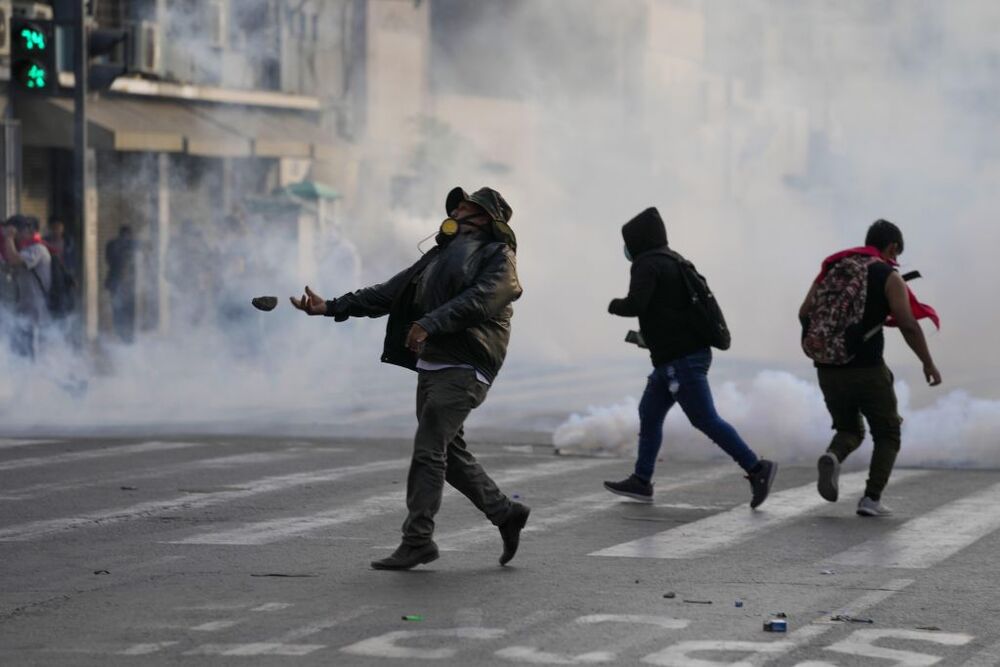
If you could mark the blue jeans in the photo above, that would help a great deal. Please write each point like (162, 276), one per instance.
(684, 381)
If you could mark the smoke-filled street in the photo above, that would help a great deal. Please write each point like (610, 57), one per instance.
(255, 551)
(499, 331)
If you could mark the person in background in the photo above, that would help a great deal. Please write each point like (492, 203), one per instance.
(30, 265)
(120, 282)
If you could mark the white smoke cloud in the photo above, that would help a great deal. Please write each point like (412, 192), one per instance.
(782, 417)
(768, 134)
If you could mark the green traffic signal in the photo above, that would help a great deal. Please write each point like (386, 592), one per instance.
(31, 75)
(33, 39)
(37, 77)
(33, 67)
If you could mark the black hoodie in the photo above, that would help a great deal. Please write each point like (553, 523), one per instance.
(656, 293)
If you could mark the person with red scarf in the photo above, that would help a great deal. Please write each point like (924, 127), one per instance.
(25, 253)
(863, 386)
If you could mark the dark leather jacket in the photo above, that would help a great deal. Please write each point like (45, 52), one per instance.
(460, 292)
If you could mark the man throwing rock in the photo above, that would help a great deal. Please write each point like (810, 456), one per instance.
(449, 319)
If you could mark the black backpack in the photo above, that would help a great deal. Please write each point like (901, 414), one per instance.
(706, 315)
(61, 296)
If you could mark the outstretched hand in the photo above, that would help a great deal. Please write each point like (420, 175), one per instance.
(310, 303)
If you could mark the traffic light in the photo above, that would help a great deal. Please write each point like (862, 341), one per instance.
(33, 56)
(101, 42)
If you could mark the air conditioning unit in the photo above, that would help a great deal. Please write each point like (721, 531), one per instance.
(5, 7)
(31, 10)
(144, 53)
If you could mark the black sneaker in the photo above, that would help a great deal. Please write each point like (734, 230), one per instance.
(829, 475)
(406, 557)
(633, 488)
(761, 477)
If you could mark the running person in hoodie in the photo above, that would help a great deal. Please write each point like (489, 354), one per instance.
(681, 358)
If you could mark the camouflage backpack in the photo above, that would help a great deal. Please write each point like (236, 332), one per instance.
(831, 333)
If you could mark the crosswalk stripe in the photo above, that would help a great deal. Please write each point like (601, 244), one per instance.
(927, 540)
(38, 529)
(267, 532)
(572, 510)
(10, 443)
(76, 457)
(738, 524)
(35, 490)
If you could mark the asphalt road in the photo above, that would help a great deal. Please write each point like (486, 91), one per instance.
(248, 551)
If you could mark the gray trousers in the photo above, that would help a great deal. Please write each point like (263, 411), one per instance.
(444, 400)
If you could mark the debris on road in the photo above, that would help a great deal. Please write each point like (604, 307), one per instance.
(929, 628)
(776, 625)
(101, 572)
(779, 614)
(846, 618)
(738, 603)
(413, 617)
(828, 572)
(699, 601)
(127, 488)
(670, 594)
(282, 574)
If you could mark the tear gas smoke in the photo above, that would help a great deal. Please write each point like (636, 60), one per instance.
(768, 134)
(783, 418)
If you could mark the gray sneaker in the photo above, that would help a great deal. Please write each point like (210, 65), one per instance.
(829, 476)
(869, 507)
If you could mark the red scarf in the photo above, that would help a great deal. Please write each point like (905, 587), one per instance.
(35, 239)
(919, 310)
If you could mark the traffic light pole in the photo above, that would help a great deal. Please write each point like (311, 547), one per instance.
(87, 224)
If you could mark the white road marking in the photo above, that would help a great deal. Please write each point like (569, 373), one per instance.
(572, 510)
(822, 624)
(737, 525)
(272, 606)
(257, 648)
(310, 629)
(988, 657)
(679, 654)
(90, 454)
(10, 443)
(931, 538)
(274, 530)
(386, 646)
(187, 502)
(761, 653)
(861, 642)
(532, 655)
(146, 649)
(665, 622)
(215, 626)
(36, 490)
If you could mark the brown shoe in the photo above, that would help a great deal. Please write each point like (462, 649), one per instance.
(510, 530)
(406, 557)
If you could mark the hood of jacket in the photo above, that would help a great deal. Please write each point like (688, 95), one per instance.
(644, 232)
